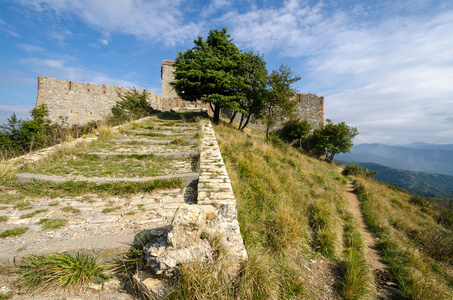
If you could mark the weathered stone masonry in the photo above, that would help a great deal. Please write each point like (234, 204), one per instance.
(80, 103)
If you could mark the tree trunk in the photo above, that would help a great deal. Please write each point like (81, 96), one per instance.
(232, 117)
(246, 122)
(216, 118)
(240, 123)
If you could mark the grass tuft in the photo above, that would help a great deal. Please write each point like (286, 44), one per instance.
(13, 232)
(53, 223)
(58, 271)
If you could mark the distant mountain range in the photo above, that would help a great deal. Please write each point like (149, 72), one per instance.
(420, 183)
(421, 157)
(423, 169)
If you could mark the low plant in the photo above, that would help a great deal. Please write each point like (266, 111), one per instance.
(32, 214)
(3, 218)
(58, 270)
(53, 223)
(13, 232)
(70, 209)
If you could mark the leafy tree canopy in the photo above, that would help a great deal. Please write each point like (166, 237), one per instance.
(209, 72)
(279, 101)
(254, 73)
(335, 138)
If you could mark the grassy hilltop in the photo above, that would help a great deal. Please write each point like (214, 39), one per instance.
(304, 243)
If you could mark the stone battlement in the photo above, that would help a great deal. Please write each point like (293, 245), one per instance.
(80, 103)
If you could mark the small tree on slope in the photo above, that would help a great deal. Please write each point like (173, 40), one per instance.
(335, 138)
(279, 101)
(209, 72)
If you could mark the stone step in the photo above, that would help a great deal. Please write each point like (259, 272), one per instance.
(186, 178)
(170, 155)
(153, 142)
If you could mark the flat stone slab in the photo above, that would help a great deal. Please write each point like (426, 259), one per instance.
(186, 178)
(150, 141)
(172, 155)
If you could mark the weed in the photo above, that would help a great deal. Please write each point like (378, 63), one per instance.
(13, 232)
(32, 214)
(23, 205)
(58, 271)
(53, 223)
(6, 296)
(110, 209)
(3, 218)
(70, 209)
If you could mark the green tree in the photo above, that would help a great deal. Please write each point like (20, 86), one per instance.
(296, 130)
(335, 138)
(132, 105)
(254, 73)
(209, 72)
(279, 100)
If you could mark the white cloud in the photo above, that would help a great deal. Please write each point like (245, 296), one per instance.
(156, 21)
(58, 68)
(387, 76)
(8, 29)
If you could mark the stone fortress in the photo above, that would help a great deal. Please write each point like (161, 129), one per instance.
(205, 201)
(80, 103)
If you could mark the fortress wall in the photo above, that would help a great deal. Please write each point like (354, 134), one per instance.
(81, 102)
(309, 107)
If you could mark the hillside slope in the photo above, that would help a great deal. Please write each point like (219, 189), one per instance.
(292, 211)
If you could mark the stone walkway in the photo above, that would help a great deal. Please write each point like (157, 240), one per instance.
(104, 223)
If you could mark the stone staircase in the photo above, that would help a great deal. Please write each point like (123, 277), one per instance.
(58, 198)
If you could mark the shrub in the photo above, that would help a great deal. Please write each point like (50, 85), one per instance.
(356, 170)
(276, 141)
(133, 105)
(295, 130)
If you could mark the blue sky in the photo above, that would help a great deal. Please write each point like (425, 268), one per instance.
(385, 67)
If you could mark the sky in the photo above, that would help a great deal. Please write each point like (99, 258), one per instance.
(385, 67)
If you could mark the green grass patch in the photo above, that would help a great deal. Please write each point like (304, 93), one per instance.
(50, 224)
(70, 209)
(3, 218)
(13, 232)
(23, 205)
(32, 214)
(68, 271)
(110, 209)
(77, 188)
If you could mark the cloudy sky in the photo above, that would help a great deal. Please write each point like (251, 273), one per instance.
(385, 67)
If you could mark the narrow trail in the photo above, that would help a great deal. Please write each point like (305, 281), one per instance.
(385, 287)
(354, 205)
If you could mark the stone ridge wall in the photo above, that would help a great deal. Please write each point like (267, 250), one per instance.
(309, 107)
(214, 188)
(81, 102)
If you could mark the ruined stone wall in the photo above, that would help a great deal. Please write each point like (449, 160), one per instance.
(170, 98)
(309, 107)
(80, 102)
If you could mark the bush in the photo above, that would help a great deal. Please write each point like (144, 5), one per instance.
(276, 141)
(295, 130)
(356, 170)
(133, 105)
